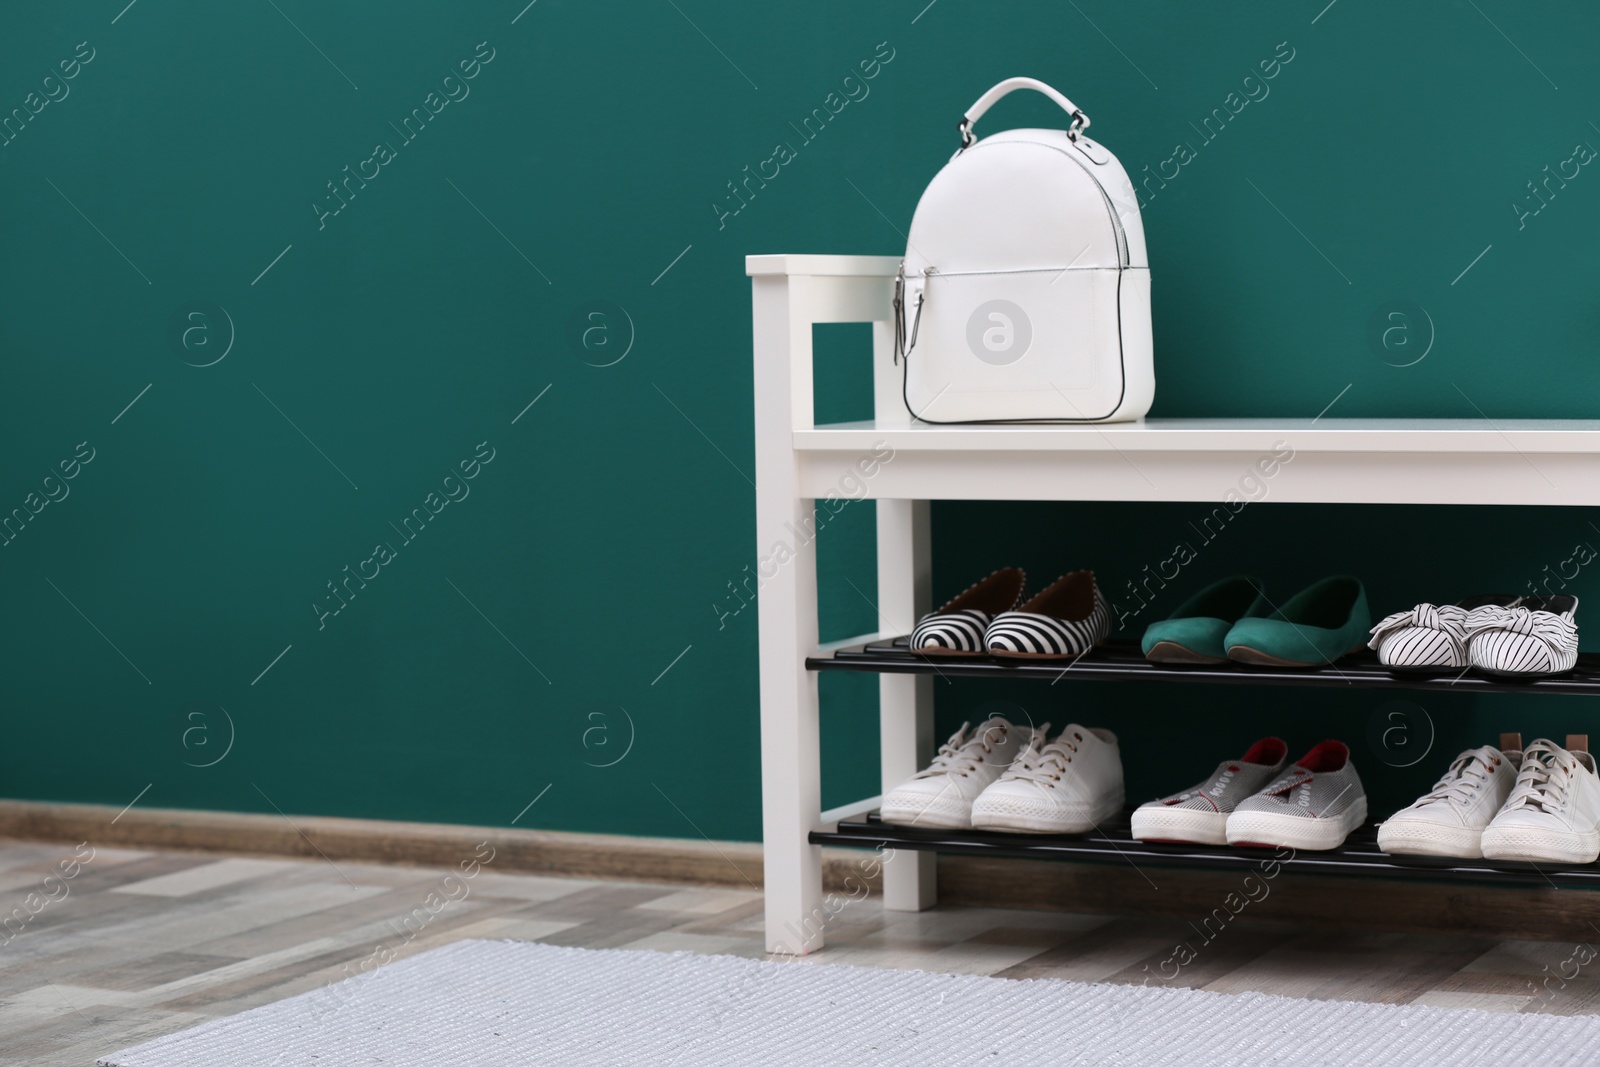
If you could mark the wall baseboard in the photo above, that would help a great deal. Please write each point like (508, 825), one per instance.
(1310, 900)
(550, 852)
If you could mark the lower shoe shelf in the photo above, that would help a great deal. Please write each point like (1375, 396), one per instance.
(1113, 844)
(1117, 661)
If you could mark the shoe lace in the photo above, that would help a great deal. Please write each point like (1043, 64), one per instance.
(1542, 781)
(1043, 762)
(964, 751)
(1461, 783)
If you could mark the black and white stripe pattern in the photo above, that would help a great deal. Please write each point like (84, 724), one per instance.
(1523, 641)
(955, 631)
(958, 627)
(1031, 634)
(1427, 636)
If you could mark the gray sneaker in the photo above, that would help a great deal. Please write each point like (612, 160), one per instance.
(1199, 815)
(1314, 806)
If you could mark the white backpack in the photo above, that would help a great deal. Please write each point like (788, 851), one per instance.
(1025, 291)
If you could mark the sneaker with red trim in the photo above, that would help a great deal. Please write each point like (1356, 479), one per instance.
(1313, 806)
(1199, 815)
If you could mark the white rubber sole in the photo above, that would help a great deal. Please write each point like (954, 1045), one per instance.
(1076, 820)
(933, 813)
(1534, 845)
(1419, 837)
(1269, 829)
(1180, 824)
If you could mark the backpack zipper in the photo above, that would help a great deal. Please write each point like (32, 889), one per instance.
(1124, 258)
(902, 344)
(1111, 210)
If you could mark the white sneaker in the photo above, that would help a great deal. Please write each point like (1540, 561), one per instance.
(1066, 786)
(1553, 812)
(940, 795)
(1450, 819)
(1200, 815)
(1314, 806)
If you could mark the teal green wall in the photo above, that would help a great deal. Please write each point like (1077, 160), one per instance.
(509, 646)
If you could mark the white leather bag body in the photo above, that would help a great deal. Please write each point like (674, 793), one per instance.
(1025, 291)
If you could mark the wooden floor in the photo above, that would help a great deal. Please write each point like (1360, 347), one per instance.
(141, 943)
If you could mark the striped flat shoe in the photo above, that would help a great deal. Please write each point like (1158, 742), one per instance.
(1537, 637)
(1066, 620)
(1430, 637)
(957, 628)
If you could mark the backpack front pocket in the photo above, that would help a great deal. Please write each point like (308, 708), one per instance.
(1017, 345)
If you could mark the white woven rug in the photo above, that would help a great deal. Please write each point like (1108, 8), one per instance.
(503, 1002)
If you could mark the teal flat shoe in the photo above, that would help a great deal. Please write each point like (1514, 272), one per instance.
(1196, 632)
(1315, 627)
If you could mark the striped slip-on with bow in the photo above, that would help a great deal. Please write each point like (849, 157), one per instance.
(1431, 637)
(1537, 637)
(957, 629)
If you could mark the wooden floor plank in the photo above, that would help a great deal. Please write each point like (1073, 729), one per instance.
(148, 942)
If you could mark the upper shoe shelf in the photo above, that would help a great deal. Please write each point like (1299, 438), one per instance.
(1121, 661)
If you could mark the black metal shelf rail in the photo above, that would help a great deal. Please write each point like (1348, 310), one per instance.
(1113, 844)
(1121, 661)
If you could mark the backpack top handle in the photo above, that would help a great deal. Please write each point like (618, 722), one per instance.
(1080, 121)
